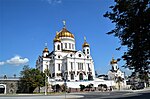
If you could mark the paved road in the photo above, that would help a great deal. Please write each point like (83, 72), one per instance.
(89, 95)
(117, 95)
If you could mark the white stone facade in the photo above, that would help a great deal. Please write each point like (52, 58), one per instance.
(65, 62)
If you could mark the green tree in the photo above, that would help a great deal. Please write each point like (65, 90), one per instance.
(132, 27)
(82, 87)
(89, 86)
(30, 79)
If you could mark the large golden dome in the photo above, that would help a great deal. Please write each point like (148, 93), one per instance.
(65, 33)
(57, 39)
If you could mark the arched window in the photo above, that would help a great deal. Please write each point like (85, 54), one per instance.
(65, 45)
(80, 76)
(72, 46)
(87, 51)
(79, 55)
(59, 68)
(84, 51)
(72, 77)
(69, 45)
(58, 47)
(90, 77)
(62, 45)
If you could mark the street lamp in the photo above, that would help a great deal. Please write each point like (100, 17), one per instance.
(45, 85)
(46, 76)
(65, 78)
(65, 83)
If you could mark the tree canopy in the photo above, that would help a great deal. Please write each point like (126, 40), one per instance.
(132, 27)
(30, 79)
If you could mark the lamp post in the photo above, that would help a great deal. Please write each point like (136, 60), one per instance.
(65, 83)
(46, 76)
(45, 85)
(65, 78)
(55, 83)
(54, 77)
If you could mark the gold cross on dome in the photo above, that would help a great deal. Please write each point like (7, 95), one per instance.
(64, 23)
(45, 44)
(84, 38)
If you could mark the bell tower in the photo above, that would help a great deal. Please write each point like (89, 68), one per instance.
(86, 47)
(114, 64)
(57, 43)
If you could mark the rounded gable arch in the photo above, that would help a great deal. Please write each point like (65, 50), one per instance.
(79, 54)
(71, 54)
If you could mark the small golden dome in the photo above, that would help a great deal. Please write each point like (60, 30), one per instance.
(113, 61)
(65, 33)
(45, 49)
(85, 44)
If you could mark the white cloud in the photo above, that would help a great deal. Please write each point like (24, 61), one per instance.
(54, 1)
(16, 60)
(2, 63)
(49, 1)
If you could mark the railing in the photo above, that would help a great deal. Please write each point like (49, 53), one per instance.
(9, 78)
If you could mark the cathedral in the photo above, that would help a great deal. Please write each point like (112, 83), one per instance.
(64, 61)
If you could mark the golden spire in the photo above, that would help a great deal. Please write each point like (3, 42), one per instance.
(113, 57)
(45, 45)
(84, 39)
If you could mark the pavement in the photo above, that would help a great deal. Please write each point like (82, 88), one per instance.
(75, 95)
(35, 96)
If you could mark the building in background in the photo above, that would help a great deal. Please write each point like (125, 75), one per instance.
(116, 75)
(115, 72)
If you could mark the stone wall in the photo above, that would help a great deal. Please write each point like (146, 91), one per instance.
(11, 85)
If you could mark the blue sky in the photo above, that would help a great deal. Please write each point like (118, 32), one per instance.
(26, 25)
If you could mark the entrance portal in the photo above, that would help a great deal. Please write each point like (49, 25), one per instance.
(90, 77)
(2, 89)
(80, 76)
